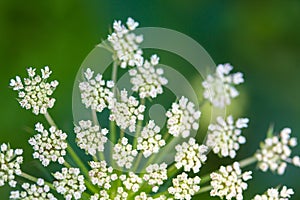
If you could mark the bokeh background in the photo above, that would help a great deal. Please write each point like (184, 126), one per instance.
(260, 38)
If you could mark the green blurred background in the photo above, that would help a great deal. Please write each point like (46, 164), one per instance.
(261, 39)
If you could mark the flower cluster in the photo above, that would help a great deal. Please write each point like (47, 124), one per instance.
(184, 187)
(150, 140)
(275, 152)
(102, 175)
(49, 146)
(147, 80)
(126, 112)
(275, 194)
(10, 161)
(131, 182)
(182, 118)
(103, 195)
(190, 155)
(156, 175)
(36, 191)
(143, 196)
(225, 137)
(95, 92)
(124, 154)
(126, 44)
(219, 87)
(69, 183)
(35, 92)
(90, 138)
(229, 182)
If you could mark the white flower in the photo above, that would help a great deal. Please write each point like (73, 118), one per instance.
(124, 154)
(69, 183)
(49, 146)
(275, 152)
(95, 92)
(219, 87)
(38, 191)
(190, 155)
(90, 138)
(121, 194)
(150, 140)
(126, 112)
(103, 195)
(126, 44)
(184, 187)
(102, 175)
(182, 118)
(131, 182)
(156, 175)
(147, 80)
(225, 137)
(35, 93)
(275, 194)
(229, 182)
(10, 164)
(144, 196)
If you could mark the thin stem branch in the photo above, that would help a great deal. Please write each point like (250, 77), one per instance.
(204, 189)
(49, 119)
(248, 161)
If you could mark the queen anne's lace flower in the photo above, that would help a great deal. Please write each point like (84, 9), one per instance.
(190, 155)
(143, 196)
(225, 137)
(147, 80)
(35, 92)
(275, 194)
(275, 152)
(103, 195)
(95, 92)
(90, 138)
(121, 194)
(131, 182)
(69, 183)
(219, 87)
(126, 44)
(182, 118)
(229, 182)
(38, 191)
(184, 187)
(49, 146)
(156, 175)
(124, 154)
(10, 161)
(102, 175)
(150, 140)
(126, 112)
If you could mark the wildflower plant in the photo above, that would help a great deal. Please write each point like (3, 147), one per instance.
(132, 156)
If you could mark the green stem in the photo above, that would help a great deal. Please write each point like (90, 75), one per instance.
(96, 122)
(205, 179)
(204, 189)
(172, 170)
(34, 179)
(248, 161)
(49, 119)
(78, 161)
(137, 162)
(114, 76)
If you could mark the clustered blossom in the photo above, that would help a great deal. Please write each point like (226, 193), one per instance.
(33, 191)
(143, 196)
(182, 118)
(275, 194)
(10, 164)
(35, 93)
(131, 181)
(49, 146)
(124, 154)
(95, 92)
(69, 183)
(219, 88)
(190, 155)
(121, 194)
(126, 112)
(156, 175)
(225, 137)
(229, 182)
(147, 80)
(102, 175)
(275, 152)
(150, 140)
(103, 195)
(90, 138)
(184, 187)
(126, 44)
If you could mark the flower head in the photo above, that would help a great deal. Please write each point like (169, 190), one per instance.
(10, 164)
(103, 195)
(225, 137)
(156, 175)
(95, 92)
(219, 88)
(229, 182)
(275, 194)
(35, 93)
(182, 118)
(275, 152)
(90, 138)
(147, 80)
(131, 182)
(49, 146)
